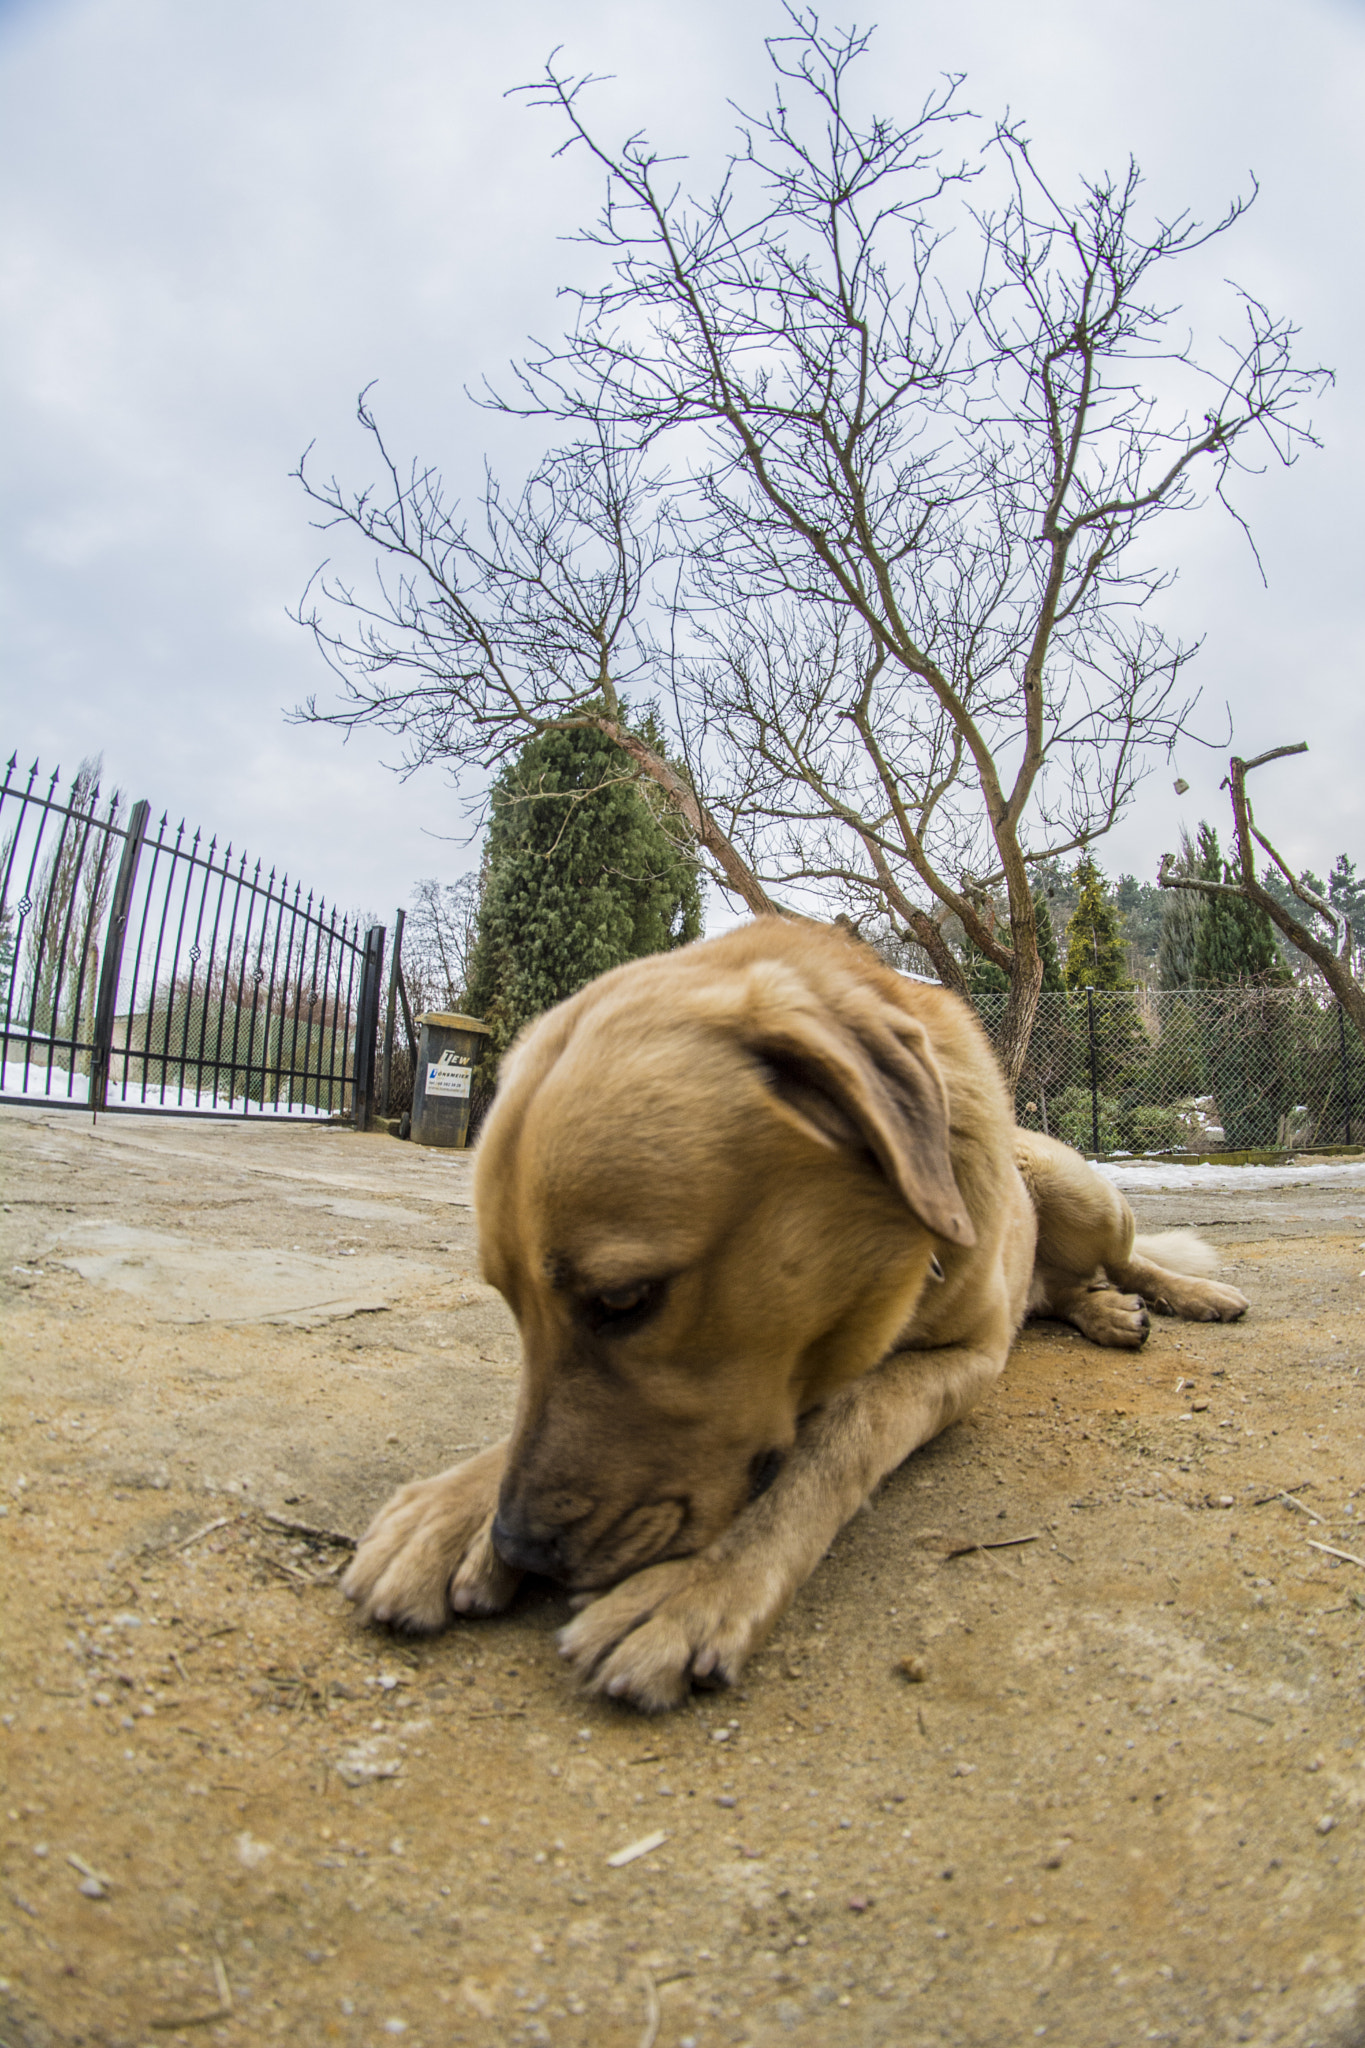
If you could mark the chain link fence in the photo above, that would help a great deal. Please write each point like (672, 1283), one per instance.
(1235, 1069)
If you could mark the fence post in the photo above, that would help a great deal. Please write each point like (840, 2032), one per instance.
(367, 1028)
(102, 1049)
(1345, 1066)
(386, 1071)
(1094, 1071)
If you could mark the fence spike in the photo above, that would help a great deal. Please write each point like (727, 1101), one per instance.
(13, 758)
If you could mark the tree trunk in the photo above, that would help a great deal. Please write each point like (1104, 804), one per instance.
(685, 800)
(1020, 1010)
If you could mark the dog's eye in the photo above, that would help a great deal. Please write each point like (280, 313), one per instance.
(625, 1308)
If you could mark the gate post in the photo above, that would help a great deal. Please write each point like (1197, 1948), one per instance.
(1094, 1073)
(395, 972)
(103, 1046)
(367, 1028)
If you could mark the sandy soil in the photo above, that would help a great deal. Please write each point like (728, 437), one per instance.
(1126, 1801)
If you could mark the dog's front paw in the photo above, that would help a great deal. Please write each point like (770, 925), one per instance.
(429, 1551)
(647, 1639)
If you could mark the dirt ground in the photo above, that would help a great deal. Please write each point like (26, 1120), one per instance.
(1125, 1802)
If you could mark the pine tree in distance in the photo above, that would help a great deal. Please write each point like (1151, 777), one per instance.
(1095, 953)
(1182, 916)
(1053, 983)
(1236, 941)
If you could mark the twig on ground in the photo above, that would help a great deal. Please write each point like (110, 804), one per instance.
(222, 2011)
(651, 2032)
(184, 1542)
(309, 1529)
(997, 1543)
(1347, 1556)
(290, 1571)
(1247, 1715)
(1300, 1506)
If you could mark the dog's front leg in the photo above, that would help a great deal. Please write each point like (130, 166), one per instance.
(701, 1617)
(429, 1552)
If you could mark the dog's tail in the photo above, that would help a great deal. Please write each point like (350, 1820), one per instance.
(1179, 1251)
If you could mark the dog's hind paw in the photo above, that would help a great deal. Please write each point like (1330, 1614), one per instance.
(429, 1552)
(650, 1638)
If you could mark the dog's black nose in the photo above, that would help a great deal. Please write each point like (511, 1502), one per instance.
(526, 1553)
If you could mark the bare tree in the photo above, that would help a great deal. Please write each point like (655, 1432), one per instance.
(439, 941)
(912, 418)
(472, 642)
(1336, 967)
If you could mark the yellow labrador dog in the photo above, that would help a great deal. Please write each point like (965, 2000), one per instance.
(765, 1222)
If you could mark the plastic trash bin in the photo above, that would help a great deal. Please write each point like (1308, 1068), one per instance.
(448, 1050)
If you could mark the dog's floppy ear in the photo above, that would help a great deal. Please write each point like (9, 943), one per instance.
(858, 1080)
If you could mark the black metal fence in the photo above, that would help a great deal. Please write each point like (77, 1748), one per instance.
(1243, 1068)
(142, 969)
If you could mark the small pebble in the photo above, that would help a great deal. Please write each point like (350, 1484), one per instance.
(726, 1799)
(91, 1888)
(1327, 1823)
(720, 1735)
(913, 1670)
(859, 1904)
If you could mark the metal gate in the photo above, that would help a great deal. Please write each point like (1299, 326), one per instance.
(142, 970)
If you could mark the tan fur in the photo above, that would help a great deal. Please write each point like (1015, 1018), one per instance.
(1180, 1251)
(765, 1223)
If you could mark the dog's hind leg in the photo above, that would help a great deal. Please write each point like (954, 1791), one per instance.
(1092, 1270)
(1085, 1233)
(1170, 1272)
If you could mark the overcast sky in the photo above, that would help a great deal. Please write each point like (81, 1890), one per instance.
(219, 223)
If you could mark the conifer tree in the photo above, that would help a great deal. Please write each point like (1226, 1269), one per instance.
(582, 873)
(1236, 941)
(1247, 1045)
(1053, 984)
(1182, 916)
(1094, 935)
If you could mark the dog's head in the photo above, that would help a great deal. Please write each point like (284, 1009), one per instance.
(710, 1190)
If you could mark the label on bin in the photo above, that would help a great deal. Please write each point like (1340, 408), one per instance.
(449, 1075)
